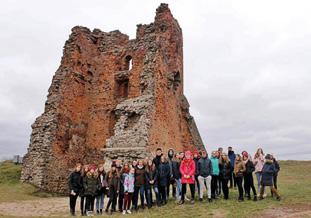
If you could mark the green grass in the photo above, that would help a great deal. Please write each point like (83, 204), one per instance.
(294, 187)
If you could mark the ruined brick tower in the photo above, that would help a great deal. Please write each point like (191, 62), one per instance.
(112, 97)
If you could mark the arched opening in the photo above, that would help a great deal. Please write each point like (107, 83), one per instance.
(128, 62)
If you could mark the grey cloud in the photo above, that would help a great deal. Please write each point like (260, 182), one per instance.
(247, 75)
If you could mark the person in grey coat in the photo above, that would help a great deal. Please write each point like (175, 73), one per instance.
(204, 172)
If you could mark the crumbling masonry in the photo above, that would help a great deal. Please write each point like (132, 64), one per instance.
(110, 98)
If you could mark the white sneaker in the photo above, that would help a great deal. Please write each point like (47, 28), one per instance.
(124, 212)
(129, 211)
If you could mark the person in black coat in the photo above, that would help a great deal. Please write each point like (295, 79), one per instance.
(225, 173)
(177, 175)
(151, 175)
(163, 173)
(157, 159)
(277, 169)
(75, 187)
(171, 180)
(248, 176)
(268, 171)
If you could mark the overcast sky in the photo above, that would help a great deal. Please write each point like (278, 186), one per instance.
(247, 66)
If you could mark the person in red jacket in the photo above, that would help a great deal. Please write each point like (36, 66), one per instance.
(187, 170)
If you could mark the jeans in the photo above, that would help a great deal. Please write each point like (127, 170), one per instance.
(205, 182)
(239, 181)
(162, 194)
(178, 188)
(89, 203)
(214, 185)
(112, 198)
(249, 184)
(82, 205)
(156, 191)
(225, 188)
(258, 177)
(141, 191)
(148, 196)
(100, 201)
(197, 185)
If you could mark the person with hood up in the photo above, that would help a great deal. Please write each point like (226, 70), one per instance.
(268, 171)
(215, 173)
(170, 180)
(187, 170)
(204, 175)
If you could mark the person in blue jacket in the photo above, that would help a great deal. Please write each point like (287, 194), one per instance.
(231, 156)
(268, 171)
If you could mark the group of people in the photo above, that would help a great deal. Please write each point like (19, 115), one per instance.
(152, 179)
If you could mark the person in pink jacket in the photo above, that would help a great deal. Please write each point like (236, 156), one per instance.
(187, 170)
(259, 160)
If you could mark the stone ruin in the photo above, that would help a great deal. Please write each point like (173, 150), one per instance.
(112, 97)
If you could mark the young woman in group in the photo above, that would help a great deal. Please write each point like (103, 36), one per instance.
(140, 182)
(113, 180)
(215, 174)
(128, 186)
(239, 169)
(248, 176)
(75, 187)
(268, 171)
(91, 186)
(225, 173)
(259, 160)
(151, 183)
(102, 190)
(187, 170)
(163, 176)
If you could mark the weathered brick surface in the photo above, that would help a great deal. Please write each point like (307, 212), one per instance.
(98, 108)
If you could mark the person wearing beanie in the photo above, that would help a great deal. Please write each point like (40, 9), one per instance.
(248, 176)
(239, 169)
(187, 170)
(268, 171)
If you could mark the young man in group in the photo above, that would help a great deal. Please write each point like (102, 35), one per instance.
(204, 172)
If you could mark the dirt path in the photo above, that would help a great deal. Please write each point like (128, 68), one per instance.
(289, 211)
(39, 208)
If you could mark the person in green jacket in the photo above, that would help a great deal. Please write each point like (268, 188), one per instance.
(215, 173)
